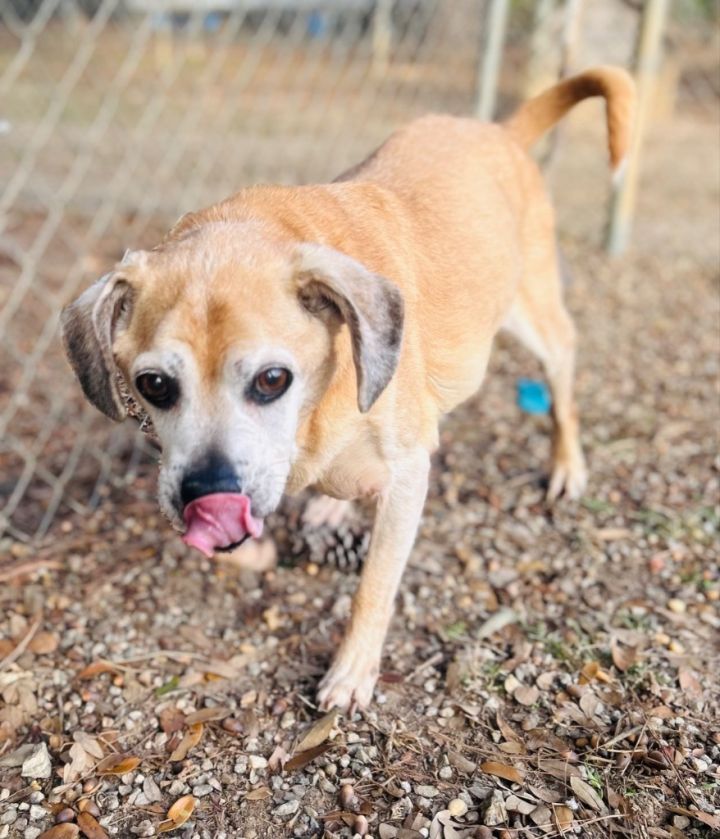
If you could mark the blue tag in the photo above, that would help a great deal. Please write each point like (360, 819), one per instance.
(533, 397)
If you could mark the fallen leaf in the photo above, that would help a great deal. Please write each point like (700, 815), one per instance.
(208, 715)
(61, 831)
(37, 764)
(512, 748)
(117, 764)
(559, 769)
(172, 720)
(90, 744)
(705, 818)
(44, 643)
(461, 763)
(506, 729)
(278, 759)
(178, 814)
(623, 657)
(89, 826)
(258, 794)
(300, 759)
(319, 732)
(563, 817)
(97, 668)
(189, 741)
(587, 794)
(502, 770)
(526, 694)
(689, 683)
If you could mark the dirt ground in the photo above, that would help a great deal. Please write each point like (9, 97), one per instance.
(549, 672)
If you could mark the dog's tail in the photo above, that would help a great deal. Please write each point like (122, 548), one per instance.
(537, 116)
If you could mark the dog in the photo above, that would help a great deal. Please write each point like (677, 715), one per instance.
(313, 336)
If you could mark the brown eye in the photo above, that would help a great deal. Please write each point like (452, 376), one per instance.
(270, 384)
(158, 389)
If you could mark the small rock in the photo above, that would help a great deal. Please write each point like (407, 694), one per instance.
(38, 764)
(427, 791)
(457, 807)
(495, 812)
(446, 773)
(257, 762)
(289, 808)
(676, 605)
(202, 790)
(32, 832)
(37, 812)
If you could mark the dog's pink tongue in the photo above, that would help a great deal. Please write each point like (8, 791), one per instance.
(219, 520)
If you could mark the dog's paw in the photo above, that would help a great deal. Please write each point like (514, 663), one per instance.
(569, 478)
(350, 682)
(325, 511)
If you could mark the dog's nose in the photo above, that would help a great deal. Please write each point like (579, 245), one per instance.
(214, 473)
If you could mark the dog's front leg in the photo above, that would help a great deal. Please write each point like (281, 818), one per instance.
(351, 679)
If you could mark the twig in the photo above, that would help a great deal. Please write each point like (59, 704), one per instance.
(28, 568)
(622, 736)
(22, 646)
(430, 662)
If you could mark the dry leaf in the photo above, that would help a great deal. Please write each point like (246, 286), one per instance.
(563, 817)
(178, 814)
(208, 715)
(300, 759)
(526, 694)
(278, 759)
(44, 643)
(80, 762)
(590, 704)
(461, 763)
(90, 744)
(189, 741)
(172, 720)
(97, 668)
(258, 794)
(587, 794)
(512, 748)
(689, 683)
(506, 729)
(502, 770)
(89, 826)
(319, 732)
(61, 831)
(117, 764)
(623, 657)
(559, 769)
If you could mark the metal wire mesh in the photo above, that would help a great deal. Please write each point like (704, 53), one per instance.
(116, 116)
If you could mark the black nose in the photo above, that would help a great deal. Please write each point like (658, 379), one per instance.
(213, 473)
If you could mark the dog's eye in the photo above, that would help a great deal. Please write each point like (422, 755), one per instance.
(159, 390)
(270, 384)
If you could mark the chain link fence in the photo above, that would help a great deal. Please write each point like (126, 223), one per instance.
(116, 116)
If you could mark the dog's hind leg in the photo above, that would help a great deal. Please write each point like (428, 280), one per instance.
(540, 320)
(351, 679)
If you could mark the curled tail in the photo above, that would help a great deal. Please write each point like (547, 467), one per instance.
(536, 116)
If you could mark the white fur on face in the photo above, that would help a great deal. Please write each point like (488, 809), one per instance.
(257, 440)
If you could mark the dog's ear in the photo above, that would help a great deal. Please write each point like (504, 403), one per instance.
(89, 326)
(370, 305)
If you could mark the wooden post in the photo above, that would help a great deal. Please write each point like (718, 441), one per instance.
(381, 37)
(648, 58)
(492, 56)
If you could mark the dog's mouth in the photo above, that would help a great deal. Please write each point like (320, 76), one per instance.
(220, 521)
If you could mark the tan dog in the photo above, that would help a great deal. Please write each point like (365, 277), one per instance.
(314, 336)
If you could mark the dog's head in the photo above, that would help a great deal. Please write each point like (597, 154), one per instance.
(229, 340)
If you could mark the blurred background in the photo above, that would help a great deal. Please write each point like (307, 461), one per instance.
(117, 116)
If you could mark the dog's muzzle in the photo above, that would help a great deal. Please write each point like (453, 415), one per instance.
(216, 513)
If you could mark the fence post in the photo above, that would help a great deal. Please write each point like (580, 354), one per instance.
(648, 57)
(381, 37)
(492, 56)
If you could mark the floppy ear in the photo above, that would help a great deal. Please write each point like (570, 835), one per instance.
(370, 305)
(89, 325)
